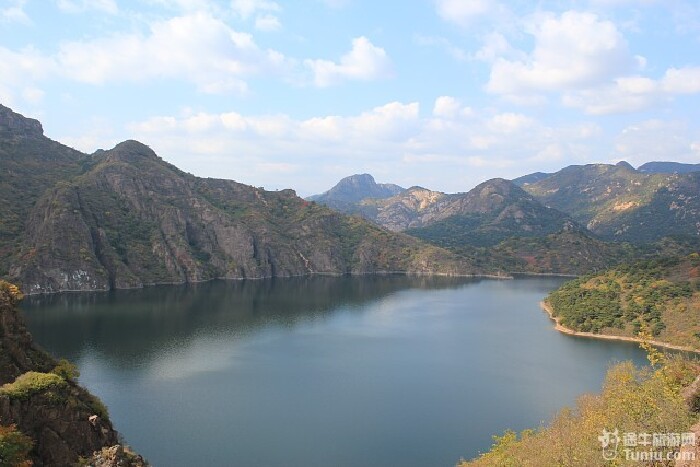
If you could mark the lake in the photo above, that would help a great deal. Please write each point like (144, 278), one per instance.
(323, 371)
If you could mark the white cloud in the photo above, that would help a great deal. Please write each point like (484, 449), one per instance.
(681, 81)
(572, 51)
(247, 8)
(80, 6)
(13, 12)
(621, 3)
(635, 93)
(624, 96)
(450, 145)
(463, 12)
(495, 45)
(509, 122)
(656, 140)
(364, 62)
(446, 107)
(267, 23)
(19, 73)
(196, 47)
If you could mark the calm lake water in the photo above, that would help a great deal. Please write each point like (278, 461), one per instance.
(368, 371)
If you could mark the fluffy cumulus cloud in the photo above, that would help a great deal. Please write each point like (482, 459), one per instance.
(20, 71)
(635, 93)
(446, 107)
(196, 47)
(583, 60)
(365, 61)
(573, 50)
(447, 146)
(463, 12)
(264, 11)
(657, 140)
(12, 11)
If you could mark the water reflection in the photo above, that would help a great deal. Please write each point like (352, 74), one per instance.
(131, 326)
(371, 371)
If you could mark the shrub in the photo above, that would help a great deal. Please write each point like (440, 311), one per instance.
(66, 370)
(14, 447)
(9, 293)
(695, 402)
(30, 383)
(98, 407)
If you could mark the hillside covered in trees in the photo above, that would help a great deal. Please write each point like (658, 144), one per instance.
(661, 296)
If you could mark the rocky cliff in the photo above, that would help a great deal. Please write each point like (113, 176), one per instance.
(125, 218)
(39, 398)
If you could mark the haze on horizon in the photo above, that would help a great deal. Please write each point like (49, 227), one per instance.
(437, 93)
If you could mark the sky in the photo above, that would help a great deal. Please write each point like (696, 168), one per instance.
(297, 94)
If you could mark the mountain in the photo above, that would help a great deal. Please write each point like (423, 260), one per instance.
(492, 211)
(125, 218)
(29, 164)
(488, 214)
(668, 168)
(530, 178)
(404, 210)
(619, 203)
(48, 418)
(350, 190)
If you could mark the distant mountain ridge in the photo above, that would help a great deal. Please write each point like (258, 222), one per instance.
(614, 202)
(668, 168)
(530, 178)
(619, 203)
(123, 218)
(353, 189)
(487, 214)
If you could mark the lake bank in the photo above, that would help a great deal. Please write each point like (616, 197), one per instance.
(565, 330)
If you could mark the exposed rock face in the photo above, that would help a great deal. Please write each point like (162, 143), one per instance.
(124, 218)
(62, 419)
(496, 209)
(619, 203)
(58, 422)
(497, 205)
(15, 124)
(350, 190)
(405, 210)
(115, 456)
(491, 212)
(17, 351)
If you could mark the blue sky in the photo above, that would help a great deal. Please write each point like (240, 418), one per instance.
(439, 93)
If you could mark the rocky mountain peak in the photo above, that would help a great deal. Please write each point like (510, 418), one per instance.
(625, 165)
(355, 188)
(501, 188)
(131, 151)
(16, 124)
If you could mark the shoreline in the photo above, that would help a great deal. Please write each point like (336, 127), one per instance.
(589, 335)
(504, 276)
